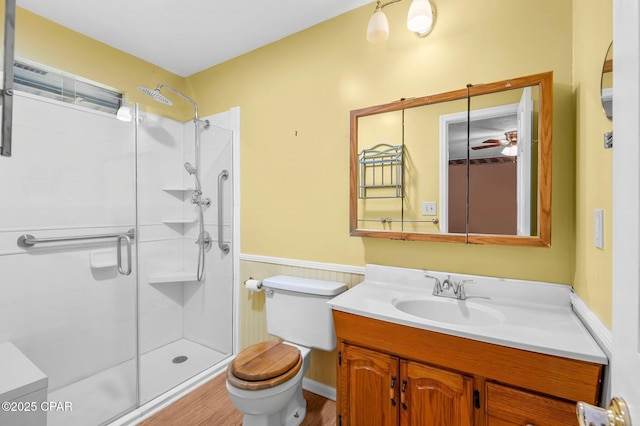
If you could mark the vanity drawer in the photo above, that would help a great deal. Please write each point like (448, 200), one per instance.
(506, 406)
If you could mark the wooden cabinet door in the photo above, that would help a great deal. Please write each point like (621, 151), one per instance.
(368, 383)
(433, 397)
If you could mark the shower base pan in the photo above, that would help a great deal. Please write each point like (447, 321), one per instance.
(96, 399)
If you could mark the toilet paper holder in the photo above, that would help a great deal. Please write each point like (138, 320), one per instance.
(253, 285)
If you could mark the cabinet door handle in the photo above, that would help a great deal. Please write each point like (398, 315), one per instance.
(402, 394)
(392, 391)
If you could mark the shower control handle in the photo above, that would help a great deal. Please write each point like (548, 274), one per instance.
(127, 241)
(198, 200)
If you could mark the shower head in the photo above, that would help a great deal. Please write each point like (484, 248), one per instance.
(155, 94)
(189, 168)
(192, 171)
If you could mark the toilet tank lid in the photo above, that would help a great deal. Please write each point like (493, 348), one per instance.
(305, 285)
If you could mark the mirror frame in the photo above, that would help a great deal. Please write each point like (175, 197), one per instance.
(545, 111)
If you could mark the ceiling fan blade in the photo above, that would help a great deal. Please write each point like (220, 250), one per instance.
(486, 146)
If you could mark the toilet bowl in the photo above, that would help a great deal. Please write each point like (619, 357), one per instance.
(264, 381)
(266, 405)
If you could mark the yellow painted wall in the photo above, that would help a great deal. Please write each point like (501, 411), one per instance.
(295, 96)
(593, 32)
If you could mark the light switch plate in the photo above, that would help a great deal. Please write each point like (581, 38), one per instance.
(598, 228)
(429, 208)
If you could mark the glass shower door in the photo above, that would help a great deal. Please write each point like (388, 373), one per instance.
(69, 299)
(185, 323)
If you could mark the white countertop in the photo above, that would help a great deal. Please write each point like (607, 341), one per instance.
(536, 316)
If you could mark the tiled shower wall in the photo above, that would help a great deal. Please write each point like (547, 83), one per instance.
(253, 321)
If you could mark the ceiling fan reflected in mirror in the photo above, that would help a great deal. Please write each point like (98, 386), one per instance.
(509, 144)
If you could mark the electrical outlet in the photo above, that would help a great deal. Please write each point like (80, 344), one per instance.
(429, 208)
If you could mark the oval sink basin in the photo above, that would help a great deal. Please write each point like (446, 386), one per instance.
(451, 311)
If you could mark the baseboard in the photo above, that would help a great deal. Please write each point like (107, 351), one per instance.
(334, 267)
(319, 388)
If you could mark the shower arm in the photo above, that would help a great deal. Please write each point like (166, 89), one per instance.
(183, 96)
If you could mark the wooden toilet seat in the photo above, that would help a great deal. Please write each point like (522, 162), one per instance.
(264, 365)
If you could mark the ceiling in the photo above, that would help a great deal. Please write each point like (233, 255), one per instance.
(479, 131)
(188, 36)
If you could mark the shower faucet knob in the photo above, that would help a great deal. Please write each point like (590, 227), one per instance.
(199, 201)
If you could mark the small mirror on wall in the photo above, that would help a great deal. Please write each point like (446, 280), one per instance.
(606, 83)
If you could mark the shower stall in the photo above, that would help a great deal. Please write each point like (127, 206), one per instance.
(109, 288)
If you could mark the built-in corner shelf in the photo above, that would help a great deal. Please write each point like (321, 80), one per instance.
(177, 189)
(178, 221)
(172, 277)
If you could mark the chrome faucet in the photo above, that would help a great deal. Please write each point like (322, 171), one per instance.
(448, 283)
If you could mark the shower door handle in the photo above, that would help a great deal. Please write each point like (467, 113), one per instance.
(127, 241)
(224, 175)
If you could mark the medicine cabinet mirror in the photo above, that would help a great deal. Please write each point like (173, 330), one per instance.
(472, 165)
(606, 83)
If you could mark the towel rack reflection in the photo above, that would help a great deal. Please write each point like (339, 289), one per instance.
(28, 240)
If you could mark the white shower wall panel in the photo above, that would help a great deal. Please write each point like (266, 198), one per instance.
(160, 305)
(72, 321)
(208, 304)
(71, 173)
(56, 176)
(159, 166)
(208, 311)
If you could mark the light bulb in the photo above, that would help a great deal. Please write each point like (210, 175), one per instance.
(420, 17)
(510, 150)
(378, 28)
(124, 113)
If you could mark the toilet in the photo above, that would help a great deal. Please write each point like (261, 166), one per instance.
(264, 381)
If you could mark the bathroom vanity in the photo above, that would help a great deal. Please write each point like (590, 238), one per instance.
(511, 353)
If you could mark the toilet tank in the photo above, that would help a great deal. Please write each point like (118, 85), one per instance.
(297, 310)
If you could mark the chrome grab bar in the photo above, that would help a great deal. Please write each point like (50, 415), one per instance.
(6, 98)
(28, 240)
(224, 175)
(127, 240)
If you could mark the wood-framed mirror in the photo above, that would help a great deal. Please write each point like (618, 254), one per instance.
(471, 166)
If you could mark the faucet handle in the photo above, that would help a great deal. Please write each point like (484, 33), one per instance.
(435, 278)
(460, 293)
(437, 287)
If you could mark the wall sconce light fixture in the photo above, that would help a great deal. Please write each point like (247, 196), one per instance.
(420, 20)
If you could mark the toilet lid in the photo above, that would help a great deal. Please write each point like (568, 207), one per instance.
(264, 361)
